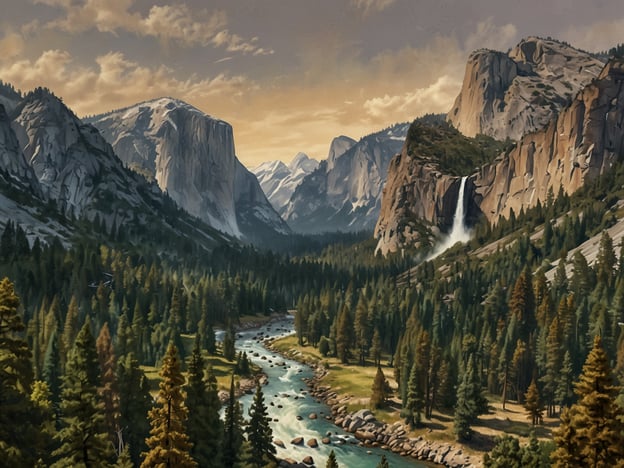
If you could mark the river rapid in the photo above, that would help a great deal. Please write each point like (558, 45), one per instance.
(286, 397)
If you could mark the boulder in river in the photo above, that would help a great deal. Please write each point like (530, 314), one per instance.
(312, 416)
(297, 441)
(312, 443)
(308, 460)
(278, 443)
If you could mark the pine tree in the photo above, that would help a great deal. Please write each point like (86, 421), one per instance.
(43, 416)
(533, 405)
(168, 442)
(52, 371)
(466, 408)
(135, 402)
(505, 454)
(83, 437)
(331, 461)
(378, 396)
(592, 431)
(344, 333)
(415, 402)
(564, 395)
(259, 433)
(376, 349)
(204, 426)
(361, 329)
(233, 431)
(109, 392)
(229, 350)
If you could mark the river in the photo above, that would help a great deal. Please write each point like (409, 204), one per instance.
(286, 397)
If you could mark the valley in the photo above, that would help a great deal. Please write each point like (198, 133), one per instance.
(446, 290)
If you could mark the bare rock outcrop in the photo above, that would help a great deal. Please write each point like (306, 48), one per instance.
(508, 95)
(581, 143)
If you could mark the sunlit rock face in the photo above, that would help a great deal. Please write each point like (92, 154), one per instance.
(509, 95)
(192, 157)
(583, 141)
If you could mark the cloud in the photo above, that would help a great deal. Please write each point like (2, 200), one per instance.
(438, 97)
(168, 23)
(114, 81)
(490, 36)
(596, 37)
(11, 45)
(368, 6)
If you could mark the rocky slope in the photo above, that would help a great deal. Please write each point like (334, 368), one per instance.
(191, 156)
(508, 95)
(421, 192)
(279, 181)
(585, 140)
(344, 192)
(58, 171)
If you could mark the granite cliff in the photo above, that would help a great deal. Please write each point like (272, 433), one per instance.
(191, 156)
(508, 95)
(584, 140)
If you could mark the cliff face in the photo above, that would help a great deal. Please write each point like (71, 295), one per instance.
(191, 156)
(509, 95)
(582, 142)
(419, 198)
(12, 160)
(73, 164)
(344, 192)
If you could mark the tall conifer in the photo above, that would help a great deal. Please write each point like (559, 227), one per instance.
(168, 443)
(83, 437)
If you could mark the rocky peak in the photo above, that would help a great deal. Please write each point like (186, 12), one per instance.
(303, 162)
(67, 156)
(12, 160)
(191, 156)
(338, 146)
(582, 142)
(9, 97)
(279, 181)
(344, 192)
(508, 95)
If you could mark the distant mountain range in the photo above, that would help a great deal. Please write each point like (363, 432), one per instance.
(279, 181)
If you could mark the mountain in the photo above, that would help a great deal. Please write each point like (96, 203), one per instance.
(279, 181)
(191, 156)
(422, 188)
(9, 98)
(508, 95)
(344, 192)
(584, 140)
(58, 172)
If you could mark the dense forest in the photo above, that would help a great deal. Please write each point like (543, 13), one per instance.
(78, 321)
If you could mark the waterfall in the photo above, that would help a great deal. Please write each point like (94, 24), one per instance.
(458, 233)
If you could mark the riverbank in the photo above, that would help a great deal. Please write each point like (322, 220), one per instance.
(371, 432)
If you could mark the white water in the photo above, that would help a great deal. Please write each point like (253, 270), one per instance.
(459, 232)
(287, 396)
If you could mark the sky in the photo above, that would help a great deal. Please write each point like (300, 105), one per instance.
(288, 75)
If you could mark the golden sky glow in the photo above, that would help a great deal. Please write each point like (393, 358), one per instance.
(288, 75)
